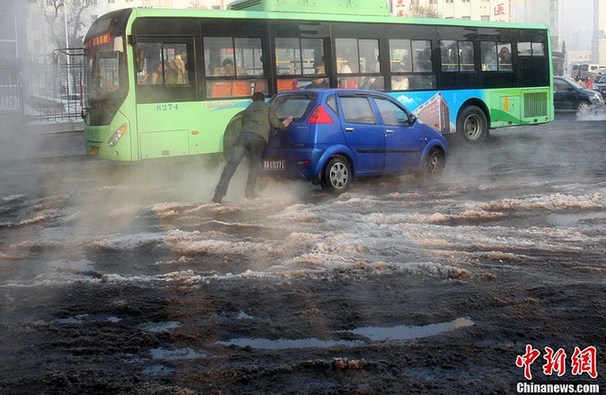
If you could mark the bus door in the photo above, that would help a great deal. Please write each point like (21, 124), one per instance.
(165, 96)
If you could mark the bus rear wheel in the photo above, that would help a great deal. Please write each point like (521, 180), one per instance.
(472, 126)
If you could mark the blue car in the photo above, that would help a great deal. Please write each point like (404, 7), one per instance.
(341, 134)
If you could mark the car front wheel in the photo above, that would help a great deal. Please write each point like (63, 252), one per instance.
(337, 175)
(434, 163)
(583, 106)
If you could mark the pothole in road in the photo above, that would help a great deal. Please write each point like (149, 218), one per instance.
(370, 333)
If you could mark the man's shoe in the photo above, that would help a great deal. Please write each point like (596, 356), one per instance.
(217, 200)
(251, 196)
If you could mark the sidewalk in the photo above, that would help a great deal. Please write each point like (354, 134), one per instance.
(38, 141)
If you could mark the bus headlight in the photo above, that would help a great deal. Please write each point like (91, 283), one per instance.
(117, 136)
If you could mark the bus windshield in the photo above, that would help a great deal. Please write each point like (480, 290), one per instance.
(103, 69)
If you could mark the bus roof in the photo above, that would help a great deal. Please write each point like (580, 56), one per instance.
(325, 17)
(357, 7)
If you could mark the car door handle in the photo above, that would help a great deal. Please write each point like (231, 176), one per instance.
(349, 129)
(389, 131)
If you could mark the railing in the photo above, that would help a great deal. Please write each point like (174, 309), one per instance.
(43, 90)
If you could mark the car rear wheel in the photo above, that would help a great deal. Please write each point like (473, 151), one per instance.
(337, 175)
(472, 125)
(583, 106)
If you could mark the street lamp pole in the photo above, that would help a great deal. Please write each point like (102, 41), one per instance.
(67, 61)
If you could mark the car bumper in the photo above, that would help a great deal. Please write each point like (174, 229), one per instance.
(288, 163)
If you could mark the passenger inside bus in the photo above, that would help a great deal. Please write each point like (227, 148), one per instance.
(227, 68)
(156, 76)
(343, 67)
(504, 59)
(318, 82)
(399, 82)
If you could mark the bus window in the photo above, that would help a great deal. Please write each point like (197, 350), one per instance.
(488, 53)
(230, 62)
(347, 55)
(400, 58)
(449, 55)
(356, 56)
(301, 57)
(248, 56)
(535, 49)
(408, 57)
(466, 56)
(538, 49)
(421, 56)
(457, 55)
(288, 56)
(524, 49)
(298, 56)
(162, 64)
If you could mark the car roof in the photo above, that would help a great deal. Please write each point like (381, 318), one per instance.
(330, 91)
(567, 79)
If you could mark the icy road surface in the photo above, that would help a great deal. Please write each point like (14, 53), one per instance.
(135, 253)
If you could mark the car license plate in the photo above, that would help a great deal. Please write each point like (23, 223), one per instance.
(273, 164)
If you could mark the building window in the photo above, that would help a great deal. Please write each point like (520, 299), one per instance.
(8, 35)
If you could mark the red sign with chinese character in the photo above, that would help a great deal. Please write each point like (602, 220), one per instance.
(99, 40)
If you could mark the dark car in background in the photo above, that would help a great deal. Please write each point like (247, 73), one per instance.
(600, 85)
(569, 96)
(341, 134)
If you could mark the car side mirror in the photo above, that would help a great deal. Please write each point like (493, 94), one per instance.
(412, 119)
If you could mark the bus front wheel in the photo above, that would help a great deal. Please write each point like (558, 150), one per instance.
(472, 126)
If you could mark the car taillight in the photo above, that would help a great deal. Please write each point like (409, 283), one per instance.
(320, 115)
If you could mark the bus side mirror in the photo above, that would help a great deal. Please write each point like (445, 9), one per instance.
(118, 44)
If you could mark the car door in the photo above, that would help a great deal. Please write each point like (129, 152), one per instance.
(364, 135)
(404, 142)
(563, 95)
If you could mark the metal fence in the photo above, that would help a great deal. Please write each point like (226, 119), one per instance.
(47, 89)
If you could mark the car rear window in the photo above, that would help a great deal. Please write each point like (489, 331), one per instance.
(296, 105)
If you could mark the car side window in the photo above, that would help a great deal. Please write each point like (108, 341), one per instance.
(332, 103)
(560, 86)
(357, 110)
(391, 114)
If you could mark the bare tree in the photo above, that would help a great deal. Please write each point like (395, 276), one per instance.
(76, 12)
(424, 12)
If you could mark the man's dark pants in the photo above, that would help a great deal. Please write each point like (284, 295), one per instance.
(246, 142)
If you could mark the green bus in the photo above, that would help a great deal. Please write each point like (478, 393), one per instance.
(164, 82)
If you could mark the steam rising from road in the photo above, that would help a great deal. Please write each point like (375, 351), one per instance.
(77, 219)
